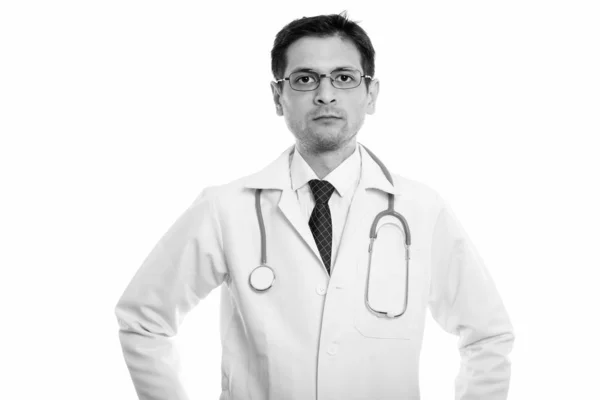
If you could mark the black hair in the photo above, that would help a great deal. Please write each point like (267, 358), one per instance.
(322, 26)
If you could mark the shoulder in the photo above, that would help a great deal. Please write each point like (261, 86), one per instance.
(413, 190)
(225, 195)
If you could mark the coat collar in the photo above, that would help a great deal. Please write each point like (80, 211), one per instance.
(276, 175)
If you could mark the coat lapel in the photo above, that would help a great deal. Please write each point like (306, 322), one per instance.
(276, 176)
(289, 206)
(366, 204)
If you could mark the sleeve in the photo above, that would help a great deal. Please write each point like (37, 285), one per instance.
(184, 267)
(465, 302)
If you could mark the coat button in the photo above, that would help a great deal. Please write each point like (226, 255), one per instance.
(332, 349)
(321, 290)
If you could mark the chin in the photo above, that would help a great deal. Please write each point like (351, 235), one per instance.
(328, 141)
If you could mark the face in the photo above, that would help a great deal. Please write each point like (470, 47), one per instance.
(302, 109)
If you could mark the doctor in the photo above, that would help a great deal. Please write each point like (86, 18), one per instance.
(301, 328)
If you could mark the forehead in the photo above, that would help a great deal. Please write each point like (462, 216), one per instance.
(322, 54)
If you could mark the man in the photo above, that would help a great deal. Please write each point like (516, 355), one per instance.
(291, 245)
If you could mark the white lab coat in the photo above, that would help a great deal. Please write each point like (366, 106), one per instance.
(310, 336)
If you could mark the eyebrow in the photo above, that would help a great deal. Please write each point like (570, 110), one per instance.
(305, 69)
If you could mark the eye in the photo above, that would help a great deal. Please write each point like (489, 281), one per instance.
(304, 79)
(346, 78)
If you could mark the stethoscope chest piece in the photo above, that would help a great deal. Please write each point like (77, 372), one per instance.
(261, 278)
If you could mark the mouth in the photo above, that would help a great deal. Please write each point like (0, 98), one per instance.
(326, 117)
(327, 120)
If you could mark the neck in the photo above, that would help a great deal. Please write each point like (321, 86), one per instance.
(322, 163)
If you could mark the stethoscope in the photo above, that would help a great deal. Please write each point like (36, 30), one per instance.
(262, 277)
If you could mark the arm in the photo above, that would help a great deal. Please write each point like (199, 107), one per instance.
(465, 302)
(184, 266)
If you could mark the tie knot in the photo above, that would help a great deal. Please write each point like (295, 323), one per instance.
(322, 190)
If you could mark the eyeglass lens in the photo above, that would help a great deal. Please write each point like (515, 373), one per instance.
(344, 79)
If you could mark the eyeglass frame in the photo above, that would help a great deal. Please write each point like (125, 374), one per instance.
(321, 76)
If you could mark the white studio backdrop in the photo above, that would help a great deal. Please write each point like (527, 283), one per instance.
(114, 115)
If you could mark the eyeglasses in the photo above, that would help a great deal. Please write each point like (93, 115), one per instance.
(305, 81)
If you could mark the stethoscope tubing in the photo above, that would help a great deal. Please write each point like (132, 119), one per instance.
(261, 224)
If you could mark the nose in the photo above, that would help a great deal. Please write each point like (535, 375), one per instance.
(325, 93)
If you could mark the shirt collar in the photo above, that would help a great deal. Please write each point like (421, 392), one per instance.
(343, 178)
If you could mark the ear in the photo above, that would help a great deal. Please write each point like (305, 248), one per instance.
(277, 98)
(372, 96)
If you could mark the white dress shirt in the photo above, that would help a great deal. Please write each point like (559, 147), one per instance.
(344, 179)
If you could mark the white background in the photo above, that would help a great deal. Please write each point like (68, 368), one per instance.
(115, 114)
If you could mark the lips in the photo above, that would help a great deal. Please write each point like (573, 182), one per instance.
(327, 116)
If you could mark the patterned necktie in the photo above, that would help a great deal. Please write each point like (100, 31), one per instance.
(320, 219)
